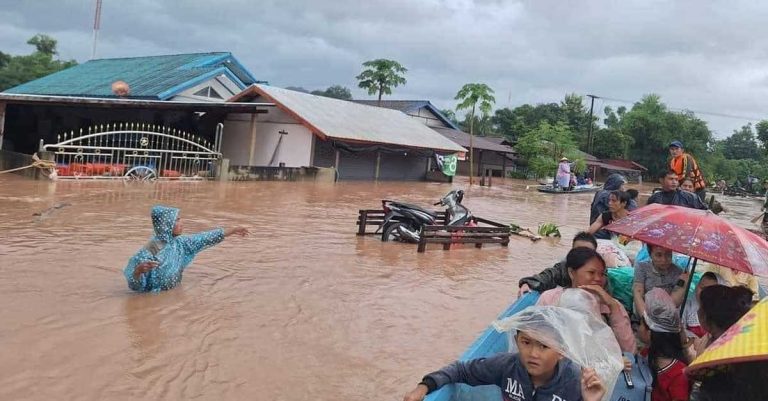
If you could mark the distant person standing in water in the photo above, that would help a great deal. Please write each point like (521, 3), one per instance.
(564, 173)
(159, 265)
(685, 166)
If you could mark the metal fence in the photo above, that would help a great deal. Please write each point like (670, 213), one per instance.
(135, 151)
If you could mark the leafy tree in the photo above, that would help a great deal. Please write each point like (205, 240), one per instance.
(762, 134)
(297, 89)
(16, 70)
(741, 144)
(471, 97)
(611, 142)
(573, 113)
(483, 124)
(4, 59)
(380, 76)
(44, 44)
(450, 115)
(543, 147)
(652, 127)
(336, 92)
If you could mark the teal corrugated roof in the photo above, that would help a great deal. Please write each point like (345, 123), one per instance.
(152, 77)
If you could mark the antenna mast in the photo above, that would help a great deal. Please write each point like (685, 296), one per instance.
(96, 26)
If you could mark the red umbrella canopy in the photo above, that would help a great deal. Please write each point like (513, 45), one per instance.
(698, 233)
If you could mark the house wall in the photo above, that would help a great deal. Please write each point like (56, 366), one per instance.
(485, 159)
(295, 149)
(362, 165)
(222, 84)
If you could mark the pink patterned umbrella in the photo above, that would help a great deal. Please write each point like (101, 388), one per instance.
(698, 233)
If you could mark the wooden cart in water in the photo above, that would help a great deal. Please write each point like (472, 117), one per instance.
(482, 232)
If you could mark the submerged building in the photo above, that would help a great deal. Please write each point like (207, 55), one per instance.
(205, 114)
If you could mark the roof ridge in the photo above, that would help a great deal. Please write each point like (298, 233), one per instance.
(163, 55)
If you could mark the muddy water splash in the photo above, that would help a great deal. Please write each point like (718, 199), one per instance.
(303, 309)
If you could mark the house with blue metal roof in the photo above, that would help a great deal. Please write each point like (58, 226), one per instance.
(211, 77)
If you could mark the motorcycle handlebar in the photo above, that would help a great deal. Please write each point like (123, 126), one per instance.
(437, 204)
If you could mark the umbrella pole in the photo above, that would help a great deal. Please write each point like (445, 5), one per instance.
(688, 286)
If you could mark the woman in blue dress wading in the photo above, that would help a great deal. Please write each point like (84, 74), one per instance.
(159, 265)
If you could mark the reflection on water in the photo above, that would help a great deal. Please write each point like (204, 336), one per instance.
(302, 309)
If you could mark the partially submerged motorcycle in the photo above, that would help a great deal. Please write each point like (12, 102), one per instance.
(404, 222)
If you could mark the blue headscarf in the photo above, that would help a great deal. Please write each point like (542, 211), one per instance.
(164, 219)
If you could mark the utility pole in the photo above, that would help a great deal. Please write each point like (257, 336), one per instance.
(96, 26)
(589, 135)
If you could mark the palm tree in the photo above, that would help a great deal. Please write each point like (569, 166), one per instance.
(380, 76)
(473, 96)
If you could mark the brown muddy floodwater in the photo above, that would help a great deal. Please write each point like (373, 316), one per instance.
(300, 310)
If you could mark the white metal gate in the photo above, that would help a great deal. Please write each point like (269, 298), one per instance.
(135, 151)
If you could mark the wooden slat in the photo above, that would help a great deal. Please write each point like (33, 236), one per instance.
(462, 241)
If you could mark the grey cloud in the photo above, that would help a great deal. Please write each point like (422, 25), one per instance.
(702, 56)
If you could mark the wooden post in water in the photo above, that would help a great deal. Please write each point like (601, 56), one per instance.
(363, 219)
(2, 123)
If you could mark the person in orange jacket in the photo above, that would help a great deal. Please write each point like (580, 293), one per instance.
(685, 166)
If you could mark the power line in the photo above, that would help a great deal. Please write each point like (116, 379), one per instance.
(709, 113)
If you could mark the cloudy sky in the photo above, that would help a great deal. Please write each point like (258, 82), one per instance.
(710, 57)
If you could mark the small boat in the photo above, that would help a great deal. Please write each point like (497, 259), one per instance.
(549, 189)
(547, 181)
(491, 342)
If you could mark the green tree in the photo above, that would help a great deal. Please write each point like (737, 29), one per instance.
(652, 127)
(542, 148)
(450, 115)
(762, 134)
(336, 92)
(44, 44)
(576, 115)
(611, 142)
(16, 70)
(471, 97)
(741, 144)
(483, 124)
(297, 89)
(380, 76)
(4, 59)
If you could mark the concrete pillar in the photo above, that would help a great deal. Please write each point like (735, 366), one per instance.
(252, 152)
(223, 170)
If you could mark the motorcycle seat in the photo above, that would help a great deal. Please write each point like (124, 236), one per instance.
(414, 207)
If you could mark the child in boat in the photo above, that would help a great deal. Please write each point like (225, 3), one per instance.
(159, 264)
(691, 311)
(659, 272)
(538, 372)
(586, 269)
(720, 307)
(660, 329)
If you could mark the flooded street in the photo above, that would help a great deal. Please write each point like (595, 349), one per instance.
(301, 310)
